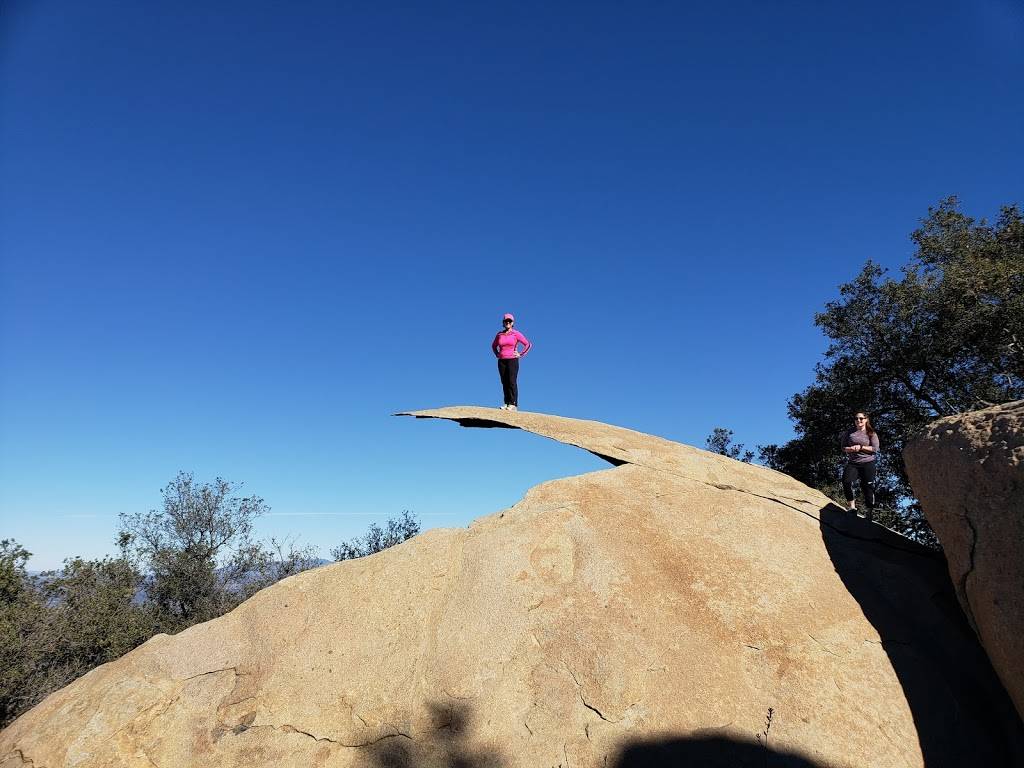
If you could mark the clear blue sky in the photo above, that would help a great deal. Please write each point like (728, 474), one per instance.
(235, 237)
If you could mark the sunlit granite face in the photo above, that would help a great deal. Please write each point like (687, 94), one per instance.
(653, 613)
(968, 473)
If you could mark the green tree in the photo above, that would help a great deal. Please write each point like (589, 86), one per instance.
(199, 551)
(20, 609)
(946, 336)
(269, 564)
(191, 561)
(56, 627)
(97, 612)
(13, 576)
(396, 531)
(720, 441)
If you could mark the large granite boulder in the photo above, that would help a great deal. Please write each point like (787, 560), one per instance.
(968, 473)
(680, 608)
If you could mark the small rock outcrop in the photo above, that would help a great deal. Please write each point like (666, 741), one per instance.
(968, 473)
(679, 608)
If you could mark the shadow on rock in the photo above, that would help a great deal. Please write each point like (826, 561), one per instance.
(962, 713)
(707, 752)
(445, 745)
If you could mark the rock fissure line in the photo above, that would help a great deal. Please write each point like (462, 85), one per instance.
(396, 735)
(889, 739)
(286, 728)
(23, 758)
(820, 644)
(571, 674)
(595, 710)
(778, 500)
(485, 423)
(152, 762)
(451, 695)
(212, 672)
(583, 700)
(293, 729)
(962, 586)
(165, 704)
(235, 703)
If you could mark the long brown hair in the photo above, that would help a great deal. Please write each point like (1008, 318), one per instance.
(867, 422)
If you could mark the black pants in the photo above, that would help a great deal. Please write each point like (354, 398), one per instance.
(866, 474)
(508, 370)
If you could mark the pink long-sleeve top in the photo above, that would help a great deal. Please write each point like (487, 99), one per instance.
(505, 343)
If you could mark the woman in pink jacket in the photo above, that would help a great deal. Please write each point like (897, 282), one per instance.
(506, 348)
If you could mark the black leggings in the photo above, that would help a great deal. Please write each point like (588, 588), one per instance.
(866, 473)
(508, 370)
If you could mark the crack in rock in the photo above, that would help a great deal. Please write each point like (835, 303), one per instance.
(820, 644)
(910, 550)
(163, 704)
(579, 692)
(293, 729)
(152, 762)
(214, 672)
(25, 760)
(485, 423)
(595, 710)
(451, 695)
(286, 728)
(962, 586)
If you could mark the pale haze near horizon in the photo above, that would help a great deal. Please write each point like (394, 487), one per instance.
(234, 240)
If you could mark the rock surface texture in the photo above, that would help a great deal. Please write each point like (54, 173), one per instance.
(653, 613)
(968, 473)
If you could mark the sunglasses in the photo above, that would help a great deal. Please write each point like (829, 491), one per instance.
(507, 322)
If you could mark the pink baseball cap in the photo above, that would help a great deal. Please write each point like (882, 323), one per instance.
(508, 316)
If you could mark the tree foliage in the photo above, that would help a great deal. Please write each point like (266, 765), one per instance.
(94, 603)
(945, 336)
(57, 626)
(19, 608)
(13, 558)
(720, 441)
(199, 553)
(396, 531)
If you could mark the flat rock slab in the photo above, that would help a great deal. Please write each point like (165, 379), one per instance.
(669, 610)
(968, 473)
